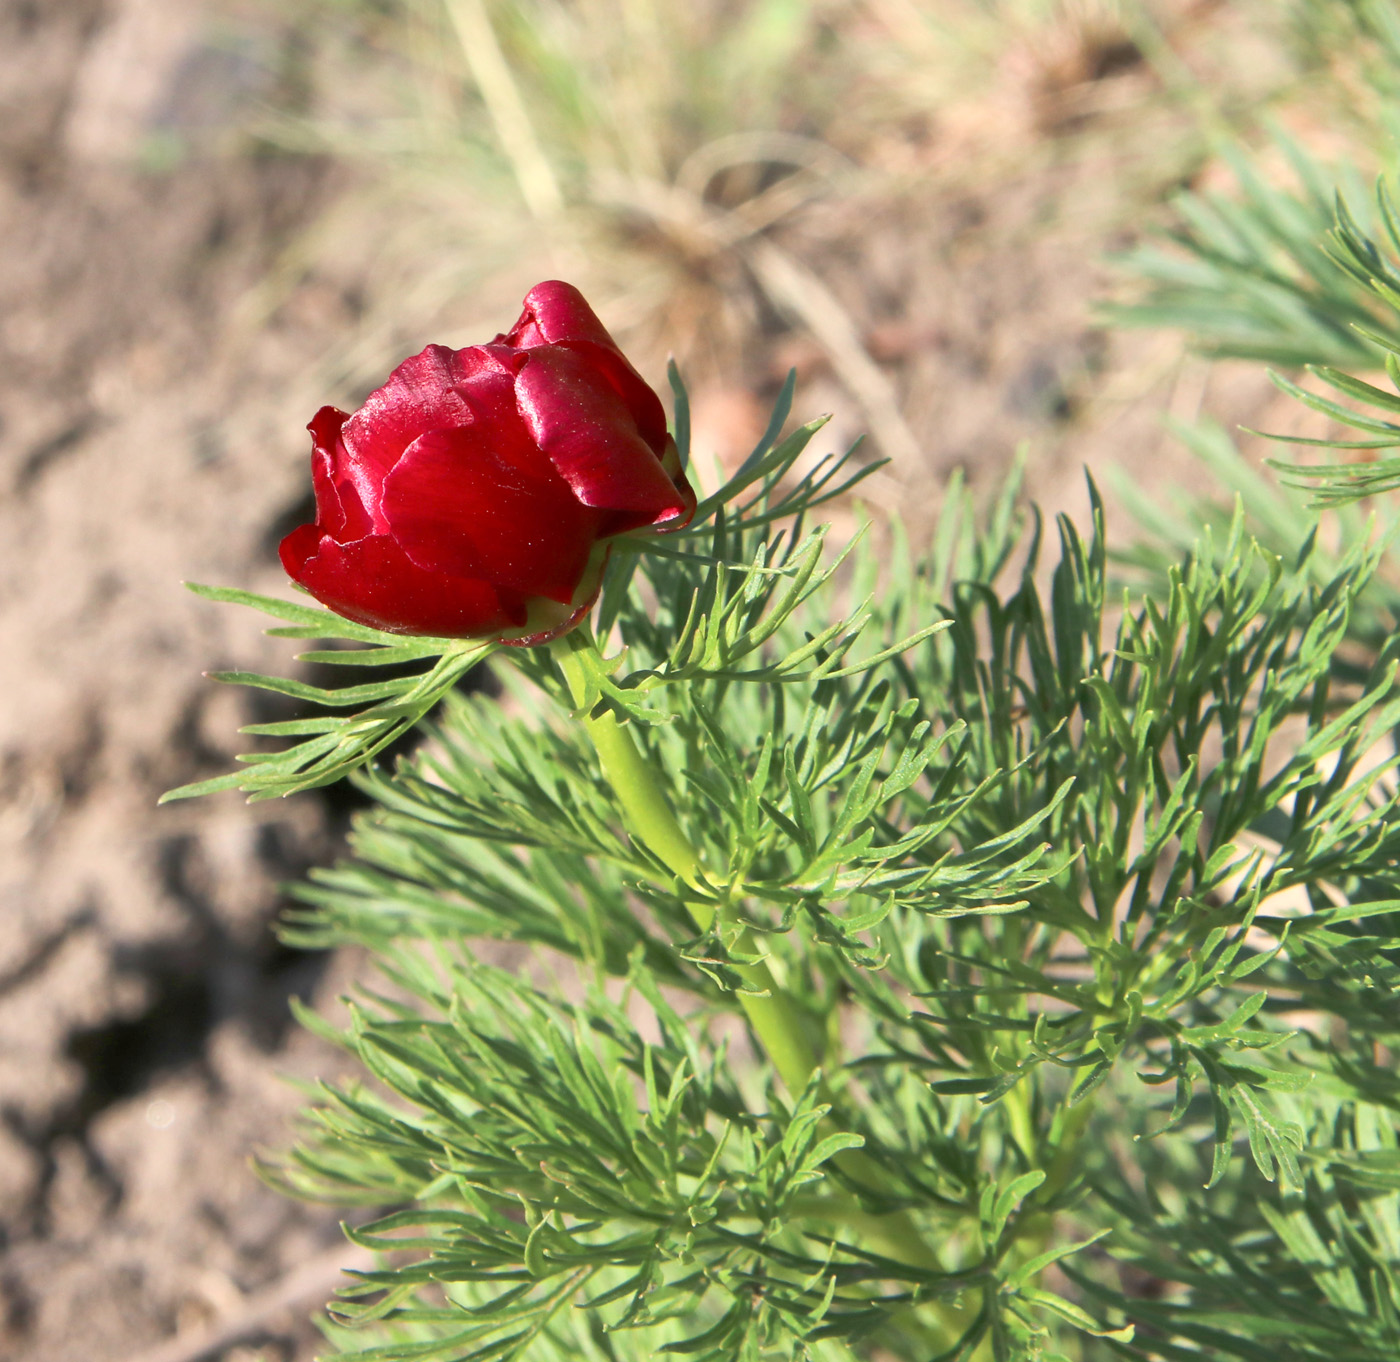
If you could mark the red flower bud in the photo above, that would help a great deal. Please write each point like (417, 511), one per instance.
(474, 494)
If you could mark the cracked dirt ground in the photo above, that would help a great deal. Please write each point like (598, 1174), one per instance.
(148, 435)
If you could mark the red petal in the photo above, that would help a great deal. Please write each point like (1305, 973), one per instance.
(373, 582)
(671, 463)
(556, 311)
(585, 427)
(297, 547)
(549, 619)
(556, 314)
(427, 392)
(339, 510)
(483, 502)
(636, 394)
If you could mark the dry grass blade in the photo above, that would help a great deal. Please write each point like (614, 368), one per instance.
(794, 289)
(538, 185)
(797, 291)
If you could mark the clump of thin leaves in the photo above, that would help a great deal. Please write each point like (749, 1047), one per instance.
(1361, 302)
(1041, 869)
(1082, 897)
(1364, 473)
(328, 746)
(1247, 274)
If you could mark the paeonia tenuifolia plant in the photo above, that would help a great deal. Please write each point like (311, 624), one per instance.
(930, 953)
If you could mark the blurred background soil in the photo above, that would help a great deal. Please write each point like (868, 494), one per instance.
(219, 214)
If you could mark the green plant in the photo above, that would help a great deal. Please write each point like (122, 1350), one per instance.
(1247, 276)
(1029, 873)
(1248, 273)
(890, 953)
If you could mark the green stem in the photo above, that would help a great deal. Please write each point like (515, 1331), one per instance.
(1066, 1155)
(776, 1020)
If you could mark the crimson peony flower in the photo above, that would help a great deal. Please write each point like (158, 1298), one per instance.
(474, 494)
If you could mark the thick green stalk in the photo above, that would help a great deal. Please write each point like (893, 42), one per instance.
(775, 1018)
(776, 1021)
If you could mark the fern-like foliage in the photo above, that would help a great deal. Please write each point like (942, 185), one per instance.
(1248, 275)
(1052, 866)
(1364, 473)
